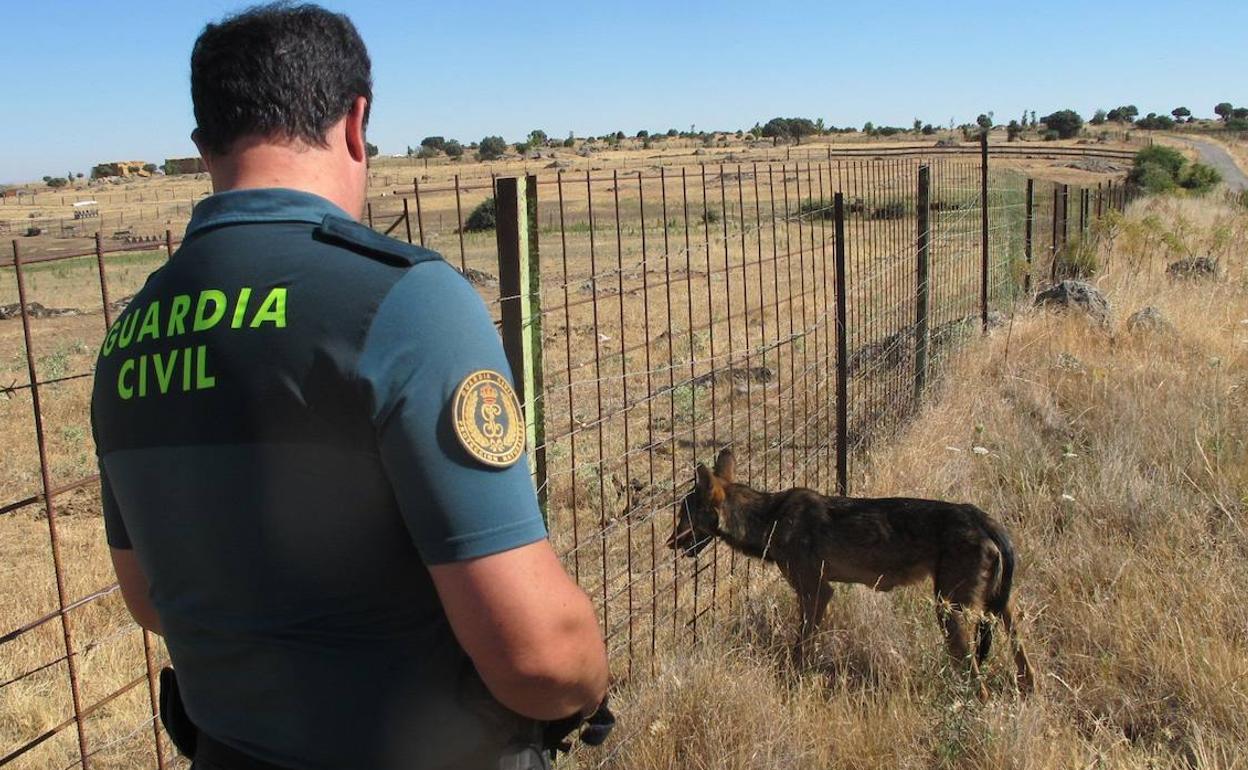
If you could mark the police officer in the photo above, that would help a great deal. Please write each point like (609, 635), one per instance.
(312, 457)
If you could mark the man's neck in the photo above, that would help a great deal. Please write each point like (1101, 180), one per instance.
(299, 167)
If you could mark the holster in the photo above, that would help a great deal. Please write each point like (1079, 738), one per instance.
(597, 728)
(182, 731)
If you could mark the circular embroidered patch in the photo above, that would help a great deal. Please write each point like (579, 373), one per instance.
(487, 419)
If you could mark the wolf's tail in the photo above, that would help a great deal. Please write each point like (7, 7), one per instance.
(999, 600)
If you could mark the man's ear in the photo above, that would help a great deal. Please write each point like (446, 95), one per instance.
(354, 127)
(204, 155)
(704, 481)
(726, 466)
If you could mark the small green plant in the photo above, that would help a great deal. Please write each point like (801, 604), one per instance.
(710, 216)
(1078, 259)
(483, 217)
(1199, 178)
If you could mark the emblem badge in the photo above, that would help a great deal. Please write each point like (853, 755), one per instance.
(486, 414)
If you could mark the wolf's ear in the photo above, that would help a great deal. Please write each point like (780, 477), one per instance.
(726, 466)
(704, 481)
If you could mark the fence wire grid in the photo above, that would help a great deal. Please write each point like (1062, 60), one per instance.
(677, 311)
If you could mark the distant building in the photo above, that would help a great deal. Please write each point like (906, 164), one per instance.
(175, 166)
(123, 168)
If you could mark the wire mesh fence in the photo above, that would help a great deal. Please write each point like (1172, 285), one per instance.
(793, 311)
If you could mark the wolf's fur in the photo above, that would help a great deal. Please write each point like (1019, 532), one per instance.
(883, 543)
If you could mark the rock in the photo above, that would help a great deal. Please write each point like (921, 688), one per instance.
(1078, 294)
(1148, 319)
(35, 310)
(480, 278)
(1193, 268)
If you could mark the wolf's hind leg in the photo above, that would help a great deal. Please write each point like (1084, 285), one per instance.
(813, 593)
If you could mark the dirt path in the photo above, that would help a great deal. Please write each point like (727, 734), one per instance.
(1215, 155)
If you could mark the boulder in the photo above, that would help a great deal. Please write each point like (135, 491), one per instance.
(1148, 319)
(1076, 294)
(1193, 268)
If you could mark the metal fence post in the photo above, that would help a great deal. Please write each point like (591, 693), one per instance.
(924, 210)
(519, 285)
(842, 354)
(983, 205)
(1028, 227)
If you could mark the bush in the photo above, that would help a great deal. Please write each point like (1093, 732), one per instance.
(491, 148)
(1167, 157)
(1051, 135)
(483, 217)
(56, 182)
(891, 210)
(816, 209)
(435, 143)
(1077, 259)
(1153, 177)
(1199, 178)
(710, 216)
(1067, 123)
(370, 149)
(453, 149)
(1237, 124)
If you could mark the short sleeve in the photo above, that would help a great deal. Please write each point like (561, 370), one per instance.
(429, 334)
(114, 528)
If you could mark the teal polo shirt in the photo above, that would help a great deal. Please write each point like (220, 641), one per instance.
(279, 421)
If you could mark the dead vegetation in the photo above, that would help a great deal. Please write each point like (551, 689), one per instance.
(1118, 460)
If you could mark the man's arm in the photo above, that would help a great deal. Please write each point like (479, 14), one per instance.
(134, 589)
(529, 630)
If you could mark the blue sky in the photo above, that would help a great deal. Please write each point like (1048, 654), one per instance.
(85, 82)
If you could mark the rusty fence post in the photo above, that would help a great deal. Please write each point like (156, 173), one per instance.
(420, 217)
(1028, 228)
(923, 210)
(519, 286)
(842, 353)
(407, 220)
(983, 229)
(45, 474)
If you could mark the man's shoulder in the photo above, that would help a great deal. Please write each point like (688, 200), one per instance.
(351, 235)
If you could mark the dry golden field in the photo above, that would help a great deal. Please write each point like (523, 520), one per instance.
(1117, 459)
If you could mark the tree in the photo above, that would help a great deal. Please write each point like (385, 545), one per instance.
(491, 148)
(643, 134)
(435, 143)
(453, 149)
(425, 153)
(1154, 122)
(570, 141)
(1125, 114)
(984, 122)
(820, 128)
(1099, 117)
(1223, 110)
(917, 126)
(928, 129)
(55, 182)
(148, 167)
(799, 127)
(776, 129)
(537, 137)
(1013, 130)
(1239, 113)
(868, 127)
(1033, 118)
(1180, 113)
(370, 149)
(1066, 123)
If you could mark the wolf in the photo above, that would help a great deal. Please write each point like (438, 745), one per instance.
(816, 540)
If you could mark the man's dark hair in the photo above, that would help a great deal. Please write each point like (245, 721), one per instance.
(279, 70)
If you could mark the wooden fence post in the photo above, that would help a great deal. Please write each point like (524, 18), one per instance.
(924, 210)
(983, 205)
(519, 286)
(1028, 227)
(842, 354)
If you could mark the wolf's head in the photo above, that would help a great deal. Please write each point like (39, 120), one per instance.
(698, 514)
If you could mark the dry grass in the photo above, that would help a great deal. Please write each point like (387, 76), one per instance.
(1118, 461)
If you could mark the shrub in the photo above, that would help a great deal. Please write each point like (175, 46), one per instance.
(816, 209)
(453, 149)
(570, 141)
(1167, 157)
(491, 148)
(483, 217)
(710, 216)
(1077, 259)
(1237, 124)
(1199, 178)
(1066, 123)
(891, 210)
(435, 143)
(56, 182)
(1051, 135)
(370, 149)
(1153, 177)
(426, 152)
